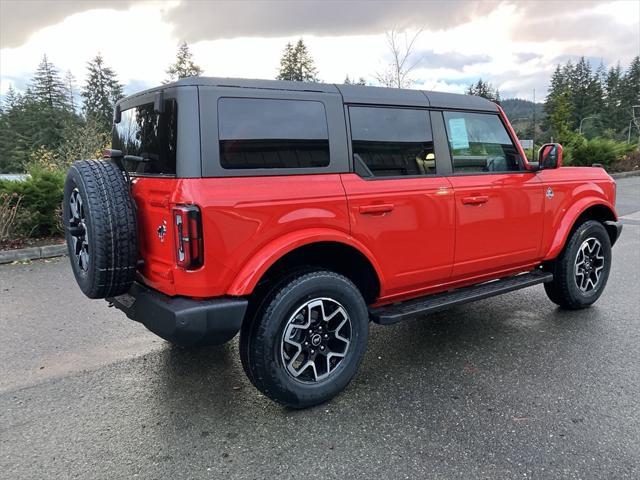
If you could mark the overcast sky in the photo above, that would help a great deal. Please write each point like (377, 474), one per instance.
(513, 44)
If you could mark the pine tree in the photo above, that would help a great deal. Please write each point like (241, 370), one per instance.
(184, 65)
(15, 140)
(11, 100)
(70, 86)
(586, 93)
(360, 81)
(630, 92)
(483, 89)
(100, 93)
(47, 88)
(46, 108)
(560, 119)
(297, 64)
(612, 115)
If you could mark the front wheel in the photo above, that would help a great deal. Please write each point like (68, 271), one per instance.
(581, 271)
(307, 339)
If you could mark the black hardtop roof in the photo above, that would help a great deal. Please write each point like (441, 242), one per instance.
(350, 93)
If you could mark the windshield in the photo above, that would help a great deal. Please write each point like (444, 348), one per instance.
(151, 136)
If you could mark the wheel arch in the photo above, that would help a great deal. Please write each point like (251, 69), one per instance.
(335, 251)
(580, 212)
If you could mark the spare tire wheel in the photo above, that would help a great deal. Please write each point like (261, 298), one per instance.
(100, 228)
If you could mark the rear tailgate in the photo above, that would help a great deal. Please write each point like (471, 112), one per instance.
(155, 232)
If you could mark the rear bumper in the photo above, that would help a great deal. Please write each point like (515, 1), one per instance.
(614, 229)
(182, 320)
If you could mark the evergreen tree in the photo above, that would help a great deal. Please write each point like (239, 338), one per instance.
(484, 89)
(70, 86)
(630, 93)
(184, 65)
(297, 64)
(360, 81)
(586, 94)
(612, 115)
(14, 133)
(46, 108)
(100, 93)
(560, 119)
(47, 88)
(11, 100)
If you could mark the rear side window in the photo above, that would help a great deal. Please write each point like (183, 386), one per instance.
(391, 142)
(266, 133)
(152, 136)
(479, 142)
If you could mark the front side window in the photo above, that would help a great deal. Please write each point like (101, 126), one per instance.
(392, 142)
(267, 133)
(150, 136)
(479, 142)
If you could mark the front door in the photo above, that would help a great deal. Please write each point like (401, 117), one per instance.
(499, 205)
(399, 207)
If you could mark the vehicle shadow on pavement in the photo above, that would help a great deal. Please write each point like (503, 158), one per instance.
(431, 359)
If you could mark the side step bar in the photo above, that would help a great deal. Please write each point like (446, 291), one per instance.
(397, 312)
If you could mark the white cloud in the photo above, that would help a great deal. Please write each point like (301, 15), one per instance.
(140, 42)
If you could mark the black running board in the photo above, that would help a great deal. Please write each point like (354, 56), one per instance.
(397, 312)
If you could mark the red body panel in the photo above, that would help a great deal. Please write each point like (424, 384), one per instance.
(412, 236)
(504, 229)
(245, 220)
(421, 235)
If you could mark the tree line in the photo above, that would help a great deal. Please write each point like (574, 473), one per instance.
(593, 102)
(45, 124)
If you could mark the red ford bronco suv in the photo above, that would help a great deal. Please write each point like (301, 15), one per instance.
(295, 213)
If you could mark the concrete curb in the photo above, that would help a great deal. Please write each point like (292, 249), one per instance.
(633, 173)
(33, 253)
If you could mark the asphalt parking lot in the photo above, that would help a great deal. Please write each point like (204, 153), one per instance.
(509, 387)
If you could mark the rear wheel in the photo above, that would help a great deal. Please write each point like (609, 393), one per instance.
(307, 338)
(581, 271)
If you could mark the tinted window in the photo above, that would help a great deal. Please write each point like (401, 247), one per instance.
(262, 133)
(391, 142)
(480, 143)
(144, 133)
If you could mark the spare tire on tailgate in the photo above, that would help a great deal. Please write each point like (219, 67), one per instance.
(100, 228)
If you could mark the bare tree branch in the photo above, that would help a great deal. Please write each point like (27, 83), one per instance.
(397, 73)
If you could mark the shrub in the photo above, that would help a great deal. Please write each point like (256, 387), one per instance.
(597, 150)
(41, 199)
(9, 205)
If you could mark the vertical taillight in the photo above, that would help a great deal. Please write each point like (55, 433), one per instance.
(187, 224)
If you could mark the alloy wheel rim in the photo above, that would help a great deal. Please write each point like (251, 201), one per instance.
(316, 340)
(589, 265)
(78, 230)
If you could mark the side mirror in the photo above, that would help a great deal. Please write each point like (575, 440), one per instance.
(550, 156)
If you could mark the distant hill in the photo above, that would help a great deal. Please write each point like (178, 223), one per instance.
(520, 114)
(518, 109)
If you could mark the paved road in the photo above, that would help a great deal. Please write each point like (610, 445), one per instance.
(509, 387)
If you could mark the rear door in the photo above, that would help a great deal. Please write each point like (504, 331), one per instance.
(400, 205)
(499, 205)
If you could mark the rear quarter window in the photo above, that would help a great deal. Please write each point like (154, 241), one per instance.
(271, 133)
(143, 132)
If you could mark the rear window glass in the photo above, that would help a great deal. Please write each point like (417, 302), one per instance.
(267, 133)
(152, 136)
